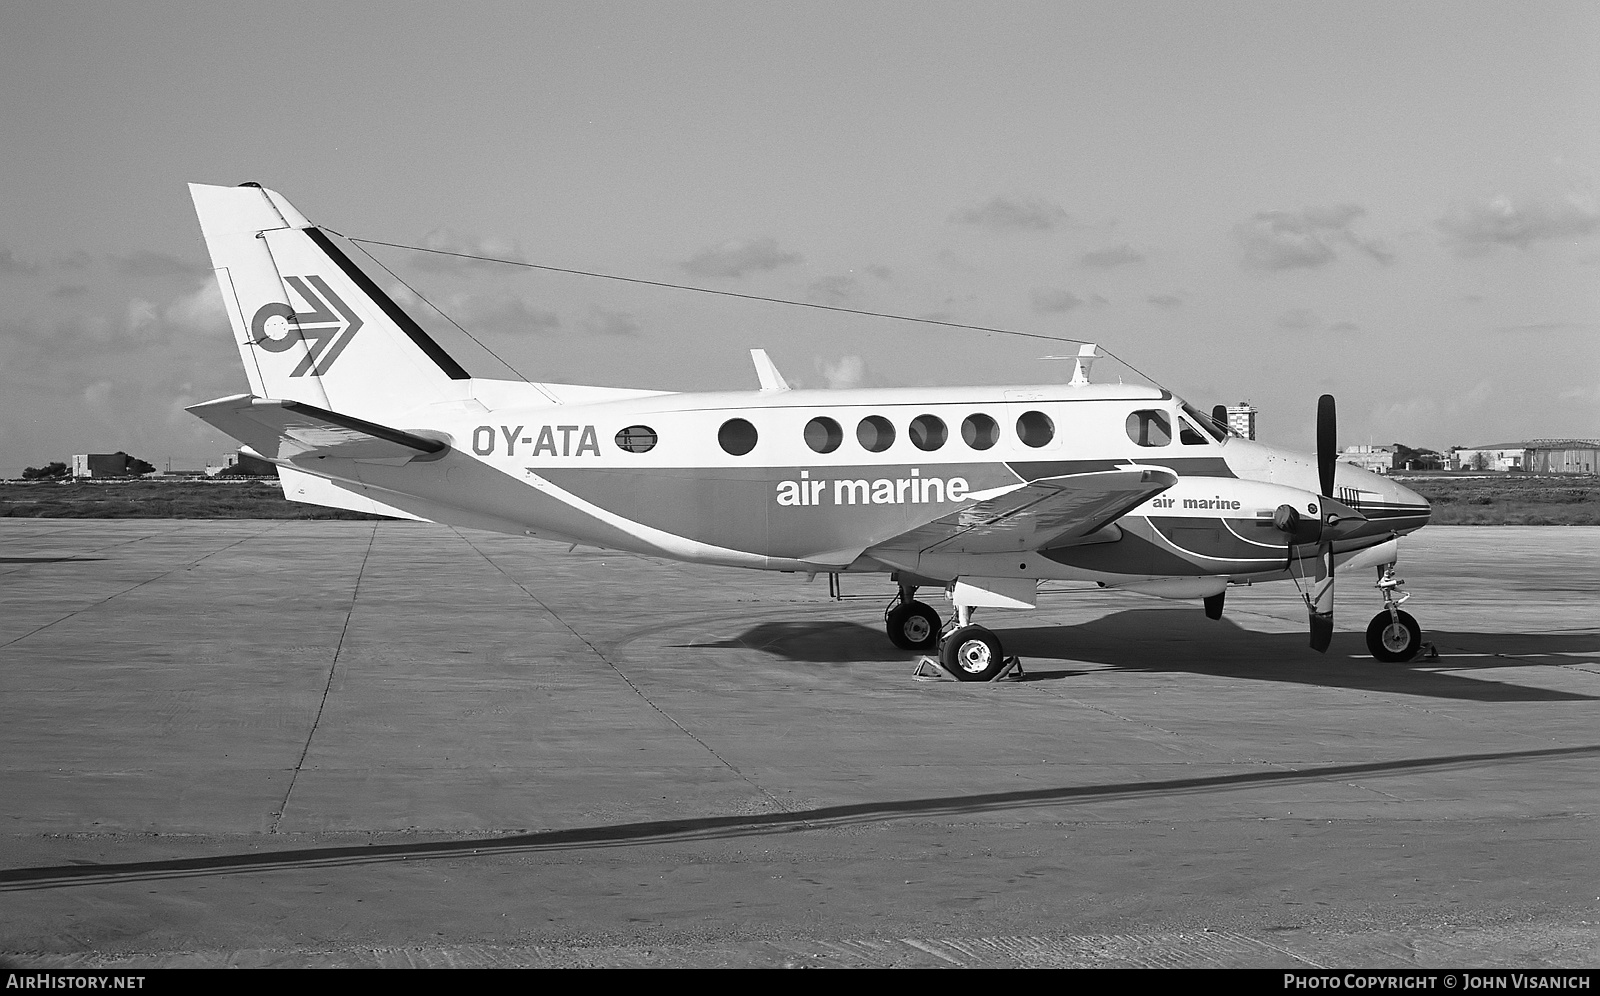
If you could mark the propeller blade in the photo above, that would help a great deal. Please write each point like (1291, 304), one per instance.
(1319, 604)
(1327, 443)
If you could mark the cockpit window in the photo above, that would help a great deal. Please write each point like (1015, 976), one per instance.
(1149, 428)
(1189, 435)
(1207, 424)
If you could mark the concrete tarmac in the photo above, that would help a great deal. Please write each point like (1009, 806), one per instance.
(356, 743)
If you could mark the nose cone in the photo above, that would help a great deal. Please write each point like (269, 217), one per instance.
(1413, 508)
(1384, 501)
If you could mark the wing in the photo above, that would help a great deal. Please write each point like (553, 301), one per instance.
(279, 430)
(1052, 511)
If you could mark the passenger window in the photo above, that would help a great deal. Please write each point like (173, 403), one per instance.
(928, 432)
(1035, 429)
(737, 436)
(1188, 434)
(980, 431)
(875, 434)
(636, 439)
(1149, 428)
(823, 434)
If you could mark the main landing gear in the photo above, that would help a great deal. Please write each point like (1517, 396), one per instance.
(1393, 636)
(970, 653)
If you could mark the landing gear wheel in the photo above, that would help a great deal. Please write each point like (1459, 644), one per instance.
(1394, 640)
(972, 653)
(913, 626)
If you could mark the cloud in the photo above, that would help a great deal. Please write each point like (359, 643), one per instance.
(1105, 259)
(1051, 300)
(1168, 301)
(448, 240)
(198, 312)
(849, 371)
(97, 394)
(67, 292)
(839, 289)
(735, 259)
(1299, 319)
(1008, 214)
(615, 323)
(145, 264)
(879, 271)
(1539, 328)
(502, 314)
(9, 263)
(1287, 240)
(1482, 226)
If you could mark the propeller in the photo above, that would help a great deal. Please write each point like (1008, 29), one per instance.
(1322, 522)
(1319, 604)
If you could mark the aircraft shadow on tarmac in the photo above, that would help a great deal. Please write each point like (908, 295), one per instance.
(745, 825)
(1164, 640)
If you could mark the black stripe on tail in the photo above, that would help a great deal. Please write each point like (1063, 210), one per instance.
(435, 352)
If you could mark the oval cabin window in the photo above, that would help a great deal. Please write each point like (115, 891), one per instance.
(823, 434)
(980, 432)
(636, 439)
(1035, 429)
(875, 433)
(927, 432)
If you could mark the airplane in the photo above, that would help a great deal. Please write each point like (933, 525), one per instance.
(984, 492)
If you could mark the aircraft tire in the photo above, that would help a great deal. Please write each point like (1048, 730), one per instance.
(1394, 642)
(913, 626)
(972, 653)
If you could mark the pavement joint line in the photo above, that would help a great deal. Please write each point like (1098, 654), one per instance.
(355, 592)
(141, 584)
(628, 681)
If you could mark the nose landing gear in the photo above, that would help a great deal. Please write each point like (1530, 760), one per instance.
(1393, 636)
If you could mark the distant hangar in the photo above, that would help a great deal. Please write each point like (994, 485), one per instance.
(1536, 456)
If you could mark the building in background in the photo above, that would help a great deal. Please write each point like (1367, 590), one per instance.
(1562, 456)
(1242, 419)
(1377, 459)
(116, 464)
(1498, 457)
(242, 465)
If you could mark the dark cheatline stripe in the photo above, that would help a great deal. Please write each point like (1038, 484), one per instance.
(1033, 470)
(424, 341)
(370, 428)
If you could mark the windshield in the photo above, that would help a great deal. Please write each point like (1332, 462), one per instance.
(1207, 424)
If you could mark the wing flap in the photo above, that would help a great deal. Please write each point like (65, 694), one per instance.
(281, 430)
(1052, 511)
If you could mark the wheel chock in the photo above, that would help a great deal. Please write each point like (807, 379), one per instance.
(932, 669)
(1429, 653)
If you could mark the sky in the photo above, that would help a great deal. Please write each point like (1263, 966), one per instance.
(1398, 204)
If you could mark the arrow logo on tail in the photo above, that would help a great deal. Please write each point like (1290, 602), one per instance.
(326, 329)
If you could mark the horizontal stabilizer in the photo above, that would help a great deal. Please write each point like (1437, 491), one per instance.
(283, 430)
(302, 487)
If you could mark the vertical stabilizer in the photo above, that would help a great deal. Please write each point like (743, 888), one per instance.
(309, 324)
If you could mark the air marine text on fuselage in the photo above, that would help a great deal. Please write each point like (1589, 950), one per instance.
(1217, 502)
(913, 490)
(486, 441)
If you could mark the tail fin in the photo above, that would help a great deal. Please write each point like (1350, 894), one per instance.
(310, 325)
